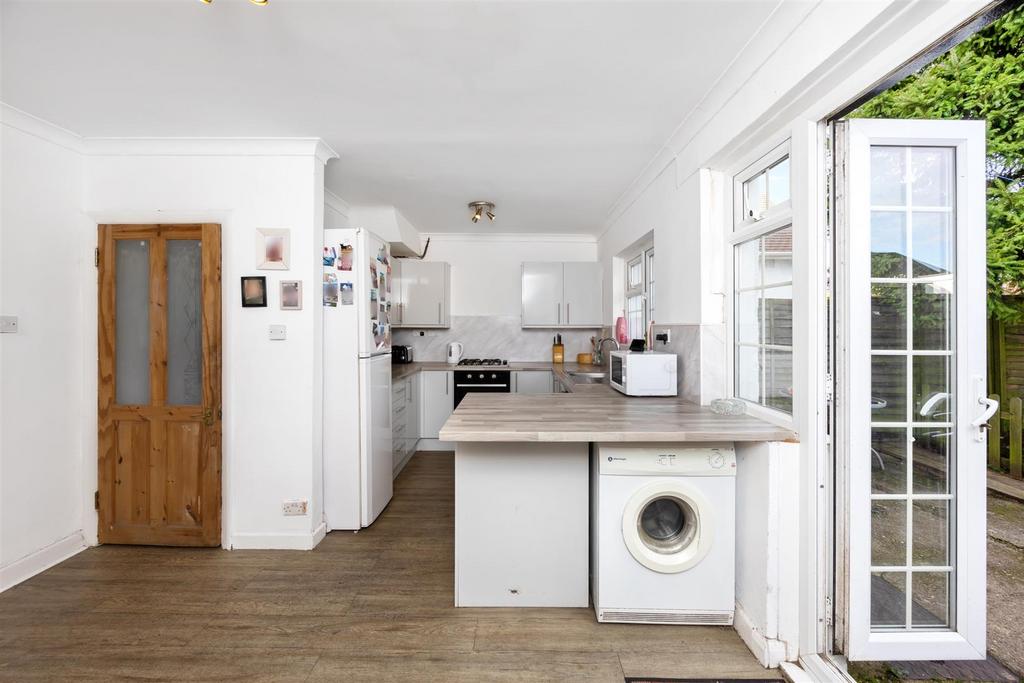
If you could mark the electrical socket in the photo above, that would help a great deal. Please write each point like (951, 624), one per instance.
(665, 336)
(293, 508)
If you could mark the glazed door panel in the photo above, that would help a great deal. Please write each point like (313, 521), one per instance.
(159, 384)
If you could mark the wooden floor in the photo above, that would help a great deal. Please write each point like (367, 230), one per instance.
(371, 606)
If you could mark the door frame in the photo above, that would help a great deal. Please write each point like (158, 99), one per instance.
(212, 341)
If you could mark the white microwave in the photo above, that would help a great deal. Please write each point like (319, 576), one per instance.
(643, 373)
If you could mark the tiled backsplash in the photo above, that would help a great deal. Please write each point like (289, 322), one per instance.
(502, 337)
(486, 336)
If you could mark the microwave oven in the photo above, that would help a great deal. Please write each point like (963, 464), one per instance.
(643, 373)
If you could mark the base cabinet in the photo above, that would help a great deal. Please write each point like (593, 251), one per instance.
(405, 423)
(532, 382)
(437, 401)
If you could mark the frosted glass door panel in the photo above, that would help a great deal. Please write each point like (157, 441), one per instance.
(132, 322)
(184, 322)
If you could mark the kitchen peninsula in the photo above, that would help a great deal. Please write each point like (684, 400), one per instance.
(522, 482)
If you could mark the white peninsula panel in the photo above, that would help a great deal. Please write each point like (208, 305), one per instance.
(521, 524)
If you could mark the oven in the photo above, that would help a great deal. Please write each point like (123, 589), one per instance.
(482, 379)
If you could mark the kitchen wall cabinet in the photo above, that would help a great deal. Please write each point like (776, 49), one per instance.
(532, 382)
(561, 294)
(421, 293)
(437, 401)
(405, 424)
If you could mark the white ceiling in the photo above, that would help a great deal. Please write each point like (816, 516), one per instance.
(548, 109)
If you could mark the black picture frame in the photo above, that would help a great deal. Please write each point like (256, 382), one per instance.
(252, 301)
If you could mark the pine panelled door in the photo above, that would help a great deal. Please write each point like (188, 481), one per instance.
(159, 384)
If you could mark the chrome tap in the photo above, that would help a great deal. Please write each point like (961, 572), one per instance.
(598, 355)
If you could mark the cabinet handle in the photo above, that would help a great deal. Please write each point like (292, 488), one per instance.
(446, 384)
(438, 312)
(558, 311)
(567, 317)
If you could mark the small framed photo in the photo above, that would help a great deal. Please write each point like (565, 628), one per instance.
(254, 291)
(291, 295)
(273, 249)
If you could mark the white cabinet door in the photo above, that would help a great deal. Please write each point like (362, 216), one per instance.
(412, 419)
(397, 293)
(542, 294)
(424, 294)
(437, 401)
(532, 382)
(581, 294)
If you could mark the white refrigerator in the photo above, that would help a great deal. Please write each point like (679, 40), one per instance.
(357, 377)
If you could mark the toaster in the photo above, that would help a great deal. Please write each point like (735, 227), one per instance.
(401, 354)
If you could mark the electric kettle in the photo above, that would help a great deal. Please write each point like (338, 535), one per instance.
(455, 350)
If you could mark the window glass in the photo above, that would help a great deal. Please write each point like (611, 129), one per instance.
(763, 320)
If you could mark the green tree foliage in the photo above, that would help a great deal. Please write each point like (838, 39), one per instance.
(982, 78)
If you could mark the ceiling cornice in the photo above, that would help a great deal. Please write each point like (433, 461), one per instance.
(40, 128)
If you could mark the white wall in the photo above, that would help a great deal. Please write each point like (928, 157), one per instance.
(43, 262)
(486, 275)
(271, 390)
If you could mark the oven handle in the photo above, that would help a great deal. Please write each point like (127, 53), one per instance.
(470, 386)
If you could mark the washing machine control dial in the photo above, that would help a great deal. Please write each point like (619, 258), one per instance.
(716, 459)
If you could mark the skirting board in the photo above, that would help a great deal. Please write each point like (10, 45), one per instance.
(41, 560)
(298, 541)
(769, 651)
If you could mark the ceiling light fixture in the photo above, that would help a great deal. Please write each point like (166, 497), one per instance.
(480, 209)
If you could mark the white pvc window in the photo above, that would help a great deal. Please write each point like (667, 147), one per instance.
(640, 293)
(762, 301)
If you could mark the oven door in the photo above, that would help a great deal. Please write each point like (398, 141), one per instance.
(463, 386)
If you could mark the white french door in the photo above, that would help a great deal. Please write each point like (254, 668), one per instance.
(911, 344)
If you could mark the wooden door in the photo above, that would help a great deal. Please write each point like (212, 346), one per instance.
(159, 384)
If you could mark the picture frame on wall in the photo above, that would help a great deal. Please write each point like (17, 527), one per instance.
(291, 295)
(273, 248)
(254, 291)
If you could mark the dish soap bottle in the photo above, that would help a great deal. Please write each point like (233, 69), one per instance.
(557, 350)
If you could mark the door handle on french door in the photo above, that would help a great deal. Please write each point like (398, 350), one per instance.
(991, 406)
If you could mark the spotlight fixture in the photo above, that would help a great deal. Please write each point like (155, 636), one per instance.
(480, 209)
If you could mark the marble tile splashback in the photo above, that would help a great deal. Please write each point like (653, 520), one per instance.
(487, 336)
(685, 343)
(701, 351)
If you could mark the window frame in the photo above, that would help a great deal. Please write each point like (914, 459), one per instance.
(644, 255)
(742, 229)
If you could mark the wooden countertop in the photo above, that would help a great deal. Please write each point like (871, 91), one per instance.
(598, 416)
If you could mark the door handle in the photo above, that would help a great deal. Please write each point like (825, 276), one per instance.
(991, 406)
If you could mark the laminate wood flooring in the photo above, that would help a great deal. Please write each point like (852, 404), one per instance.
(369, 606)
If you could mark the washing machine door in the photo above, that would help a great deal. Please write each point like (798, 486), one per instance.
(668, 526)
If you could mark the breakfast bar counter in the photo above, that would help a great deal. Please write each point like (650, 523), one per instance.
(522, 482)
(597, 413)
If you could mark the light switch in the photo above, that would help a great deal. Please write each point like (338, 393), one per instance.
(8, 324)
(277, 332)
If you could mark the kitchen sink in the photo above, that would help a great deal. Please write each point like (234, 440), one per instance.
(588, 377)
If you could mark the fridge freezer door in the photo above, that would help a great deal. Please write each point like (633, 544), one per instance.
(374, 259)
(375, 435)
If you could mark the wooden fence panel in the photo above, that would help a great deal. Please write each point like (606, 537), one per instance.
(1016, 426)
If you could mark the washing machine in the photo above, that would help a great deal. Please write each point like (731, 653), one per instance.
(663, 533)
